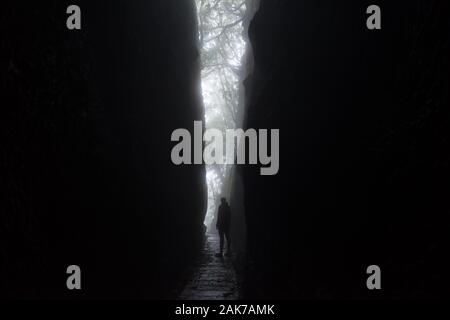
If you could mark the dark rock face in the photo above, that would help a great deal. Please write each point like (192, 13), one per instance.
(85, 122)
(364, 170)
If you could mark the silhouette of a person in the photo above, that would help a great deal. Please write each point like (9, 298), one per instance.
(223, 226)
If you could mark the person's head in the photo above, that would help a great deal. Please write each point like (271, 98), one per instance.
(223, 200)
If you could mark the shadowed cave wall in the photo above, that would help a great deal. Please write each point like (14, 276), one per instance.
(364, 161)
(86, 175)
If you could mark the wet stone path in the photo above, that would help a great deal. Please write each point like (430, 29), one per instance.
(211, 278)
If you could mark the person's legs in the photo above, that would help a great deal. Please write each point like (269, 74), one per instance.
(222, 236)
(228, 236)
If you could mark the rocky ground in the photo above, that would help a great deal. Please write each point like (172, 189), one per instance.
(211, 278)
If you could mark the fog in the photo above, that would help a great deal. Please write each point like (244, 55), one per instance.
(222, 50)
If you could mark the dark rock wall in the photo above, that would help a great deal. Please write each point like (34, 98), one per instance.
(85, 121)
(364, 163)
